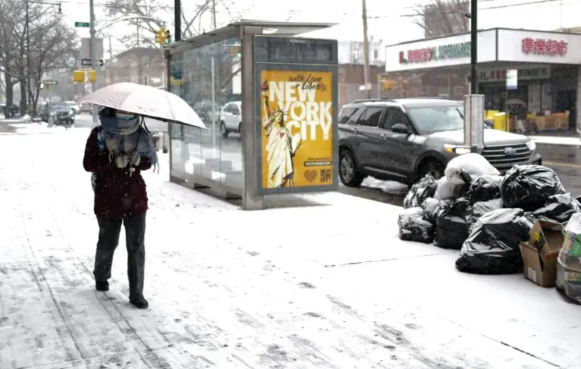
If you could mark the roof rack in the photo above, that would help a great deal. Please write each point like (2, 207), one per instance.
(372, 100)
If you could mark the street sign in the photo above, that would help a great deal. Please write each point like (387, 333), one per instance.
(511, 79)
(50, 82)
(86, 48)
(87, 62)
(82, 24)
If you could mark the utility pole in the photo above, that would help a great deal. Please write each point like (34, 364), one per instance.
(366, 51)
(214, 23)
(178, 20)
(27, 97)
(473, 47)
(93, 56)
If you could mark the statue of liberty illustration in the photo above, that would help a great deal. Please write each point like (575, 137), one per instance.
(281, 147)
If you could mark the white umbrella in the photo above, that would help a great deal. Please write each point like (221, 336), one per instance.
(147, 101)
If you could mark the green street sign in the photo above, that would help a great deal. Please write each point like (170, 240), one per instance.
(82, 24)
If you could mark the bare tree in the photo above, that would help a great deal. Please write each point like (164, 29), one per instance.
(52, 45)
(443, 17)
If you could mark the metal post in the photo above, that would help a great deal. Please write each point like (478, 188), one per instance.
(474, 47)
(212, 70)
(366, 51)
(250, 140)
(178, 20)
(93, 56)
(27, 97)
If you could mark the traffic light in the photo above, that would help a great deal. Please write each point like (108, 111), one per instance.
(387, 85)
(160, 36)
(167, 37)
(92, 75)
(235, 52)
(79, 76)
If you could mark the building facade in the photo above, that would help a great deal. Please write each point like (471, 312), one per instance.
(546, 92)
(146, 66)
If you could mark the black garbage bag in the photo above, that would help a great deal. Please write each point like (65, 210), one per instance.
(412, 226)
(451, 226)
(529, 187)
(484, 189)
(558, 208)
(493, 244)
(480, 208)
(421, 191)
(432, 208)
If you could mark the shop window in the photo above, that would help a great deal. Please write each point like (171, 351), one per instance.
(425, 90)
(459, 90)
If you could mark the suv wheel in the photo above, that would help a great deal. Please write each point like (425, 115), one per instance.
(223, 130)
(431, 167)
(350, 176)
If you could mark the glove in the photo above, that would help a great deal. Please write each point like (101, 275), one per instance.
(134, 158)
(122, 161)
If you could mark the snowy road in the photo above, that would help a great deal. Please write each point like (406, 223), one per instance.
(324, 286)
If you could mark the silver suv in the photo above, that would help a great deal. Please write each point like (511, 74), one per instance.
(405, 139)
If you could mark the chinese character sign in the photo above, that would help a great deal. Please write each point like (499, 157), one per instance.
(544, 47)
(297, 129)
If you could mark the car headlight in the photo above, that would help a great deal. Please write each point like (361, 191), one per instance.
(531, 145)
(456, 149)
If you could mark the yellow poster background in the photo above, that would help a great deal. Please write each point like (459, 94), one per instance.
(304, 100)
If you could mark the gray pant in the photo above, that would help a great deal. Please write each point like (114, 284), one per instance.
(109, 229)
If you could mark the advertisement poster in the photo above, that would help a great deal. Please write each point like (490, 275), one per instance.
(297, 129)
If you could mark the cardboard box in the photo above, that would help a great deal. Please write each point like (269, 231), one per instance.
(541, 252)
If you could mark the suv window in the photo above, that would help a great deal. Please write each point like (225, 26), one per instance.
(234, 109)
(371, 117)
(393, 116)
(353, 117)
(345, 114)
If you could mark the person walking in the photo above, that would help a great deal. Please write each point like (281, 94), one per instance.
(116, 152)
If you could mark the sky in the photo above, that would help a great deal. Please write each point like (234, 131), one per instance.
(387, 19)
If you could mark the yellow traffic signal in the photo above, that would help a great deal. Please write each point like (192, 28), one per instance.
(79, 76)
(92, 75)
(167, 38)
(387, 85)
(235, 52)
(159, 36)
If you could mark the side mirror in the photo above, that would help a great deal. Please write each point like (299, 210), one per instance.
(401, 128)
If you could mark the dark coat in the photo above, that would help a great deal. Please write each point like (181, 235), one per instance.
(117, 195)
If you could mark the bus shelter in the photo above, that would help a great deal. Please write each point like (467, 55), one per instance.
(269, 101)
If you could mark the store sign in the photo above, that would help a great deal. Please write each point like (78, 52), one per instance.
(498, 75)
(541, 46)
(512, 79)
(442, 52)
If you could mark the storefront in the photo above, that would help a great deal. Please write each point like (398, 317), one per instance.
(546, 95)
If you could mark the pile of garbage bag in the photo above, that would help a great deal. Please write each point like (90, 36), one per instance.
(475, 209)
(493, 244)
(412, 226)
(569, 262)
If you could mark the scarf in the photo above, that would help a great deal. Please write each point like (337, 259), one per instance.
(125, 136)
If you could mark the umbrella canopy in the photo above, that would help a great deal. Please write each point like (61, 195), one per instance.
(147, 101)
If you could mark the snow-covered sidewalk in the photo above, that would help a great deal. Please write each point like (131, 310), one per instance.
(328, 285)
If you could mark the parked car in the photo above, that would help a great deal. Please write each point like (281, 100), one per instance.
(85, 108)
(206, 112)
(405, 139)
(76, 108)
(231, 118)
(61, 113)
